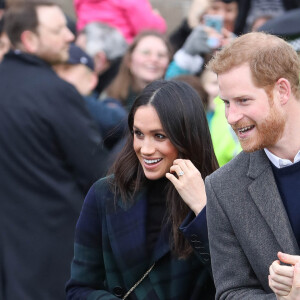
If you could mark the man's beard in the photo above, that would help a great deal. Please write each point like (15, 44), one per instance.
(267, 133)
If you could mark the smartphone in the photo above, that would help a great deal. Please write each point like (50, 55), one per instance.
(214, 21)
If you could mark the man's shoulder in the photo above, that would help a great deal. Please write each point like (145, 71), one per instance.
(33, 72)
(233, 171)
(244, 165)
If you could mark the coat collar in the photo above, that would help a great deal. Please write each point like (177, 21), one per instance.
(26, 57)
(265, 194)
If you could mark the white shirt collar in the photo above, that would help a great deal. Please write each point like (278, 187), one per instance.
(281, 162)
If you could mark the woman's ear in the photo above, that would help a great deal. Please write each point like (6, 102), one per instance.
(283, 89)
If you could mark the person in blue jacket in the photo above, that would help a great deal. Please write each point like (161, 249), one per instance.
(138, 236)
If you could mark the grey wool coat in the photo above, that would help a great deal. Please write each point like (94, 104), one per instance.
(247, 226)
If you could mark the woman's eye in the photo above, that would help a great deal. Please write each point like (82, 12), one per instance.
(137, 133)
(162, 55)
(145, 52)
(160, 136)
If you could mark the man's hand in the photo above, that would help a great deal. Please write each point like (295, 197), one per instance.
(285, 280)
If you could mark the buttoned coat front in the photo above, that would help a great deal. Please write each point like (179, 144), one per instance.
(111, 255)
(247, 226)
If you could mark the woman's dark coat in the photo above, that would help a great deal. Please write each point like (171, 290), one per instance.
(111, 254)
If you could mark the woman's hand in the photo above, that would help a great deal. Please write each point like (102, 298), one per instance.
(188, 183)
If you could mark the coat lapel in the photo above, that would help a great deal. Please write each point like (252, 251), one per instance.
(126, 229)
(162, 245)
(265, 194)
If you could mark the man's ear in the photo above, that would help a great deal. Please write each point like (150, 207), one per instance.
(283, 89)
(30, 41)
(93, 81)
(100, 62)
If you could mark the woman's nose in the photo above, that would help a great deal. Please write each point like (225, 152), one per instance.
(147, 147)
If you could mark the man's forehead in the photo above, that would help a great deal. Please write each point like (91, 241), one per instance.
(50, 16)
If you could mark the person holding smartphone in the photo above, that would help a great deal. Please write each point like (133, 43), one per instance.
(212, 31)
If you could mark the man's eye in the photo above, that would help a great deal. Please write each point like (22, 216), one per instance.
(244, 100)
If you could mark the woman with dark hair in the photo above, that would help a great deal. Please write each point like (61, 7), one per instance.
(132, 236)
(146, 60)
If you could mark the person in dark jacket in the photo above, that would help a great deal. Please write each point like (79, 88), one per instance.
(127, 241)
(248, 10)
(50, 155)
(109, 113)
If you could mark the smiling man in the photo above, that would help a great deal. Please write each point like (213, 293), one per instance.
(253, 201)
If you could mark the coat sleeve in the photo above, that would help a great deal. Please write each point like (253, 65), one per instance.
(233, 275)
(87, 268)
(195, 231)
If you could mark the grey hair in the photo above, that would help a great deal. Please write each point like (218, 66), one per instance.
(102, 37)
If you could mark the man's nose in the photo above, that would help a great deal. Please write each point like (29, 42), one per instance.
(69, 36)
(233, 114)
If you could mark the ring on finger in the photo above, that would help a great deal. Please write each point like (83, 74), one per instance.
(180, 173)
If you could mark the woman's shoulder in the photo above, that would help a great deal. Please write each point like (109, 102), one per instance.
(103, 190)
(104, 183)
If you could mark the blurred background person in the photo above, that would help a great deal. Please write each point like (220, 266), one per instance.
(109, 114)
(225, 142)
(51, 153)
(146, 60)
(195, 83)
(249, 9)
(227, 9)
(2, 7)
(287, 26)
(4, 41)
(129, 16)
(213, 24)
(106, 45)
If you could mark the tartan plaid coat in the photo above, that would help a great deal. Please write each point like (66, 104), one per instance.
(110, 255)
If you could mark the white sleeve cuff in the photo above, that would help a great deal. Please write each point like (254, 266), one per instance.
(191, 63)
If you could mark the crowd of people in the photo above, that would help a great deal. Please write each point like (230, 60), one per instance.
(142, 164)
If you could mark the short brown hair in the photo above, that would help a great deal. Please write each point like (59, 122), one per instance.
(269, 58)
(22, 16)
